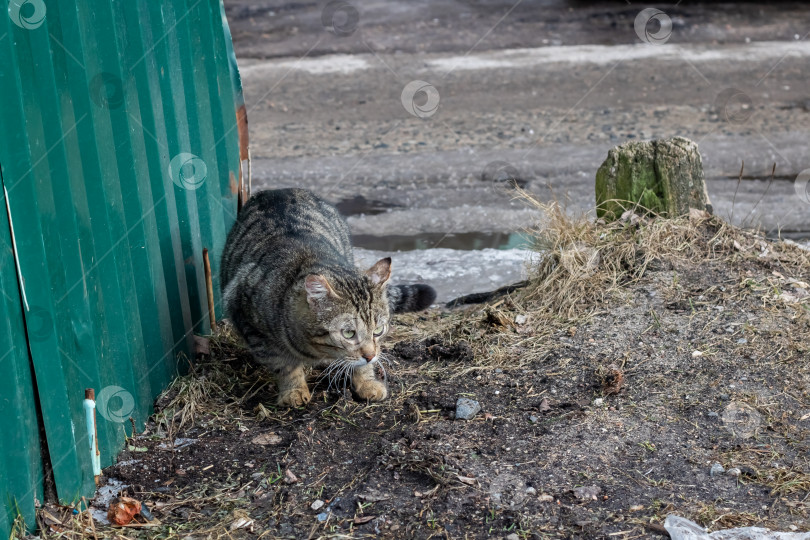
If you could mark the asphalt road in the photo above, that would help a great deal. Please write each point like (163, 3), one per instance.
(546, 87)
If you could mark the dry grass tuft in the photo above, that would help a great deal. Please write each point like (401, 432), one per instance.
(790, 482)
(583, 261)
(187, 397)
(213, 383)
(716, 518)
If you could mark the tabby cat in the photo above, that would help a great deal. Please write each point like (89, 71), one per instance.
(291, 289)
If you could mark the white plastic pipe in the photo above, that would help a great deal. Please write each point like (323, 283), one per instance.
(90, 417)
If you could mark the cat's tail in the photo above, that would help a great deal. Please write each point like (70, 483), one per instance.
(404, 298)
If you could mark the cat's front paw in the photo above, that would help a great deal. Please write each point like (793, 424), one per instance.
(294, 397)
(371, 390)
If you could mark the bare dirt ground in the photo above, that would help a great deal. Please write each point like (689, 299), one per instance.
(639, 358)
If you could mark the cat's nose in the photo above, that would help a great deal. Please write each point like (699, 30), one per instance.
(369, 357)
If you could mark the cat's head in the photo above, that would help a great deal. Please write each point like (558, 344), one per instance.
(349, 312)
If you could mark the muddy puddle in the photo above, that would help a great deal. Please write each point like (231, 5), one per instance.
(359, 205)
(461, 241)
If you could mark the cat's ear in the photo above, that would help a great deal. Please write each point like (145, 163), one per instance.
(318, 288)
(380, 273)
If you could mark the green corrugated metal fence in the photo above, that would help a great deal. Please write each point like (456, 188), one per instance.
(120, 161)
(20, 463)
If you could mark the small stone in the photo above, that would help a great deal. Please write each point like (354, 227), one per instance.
(531, 491)
(242, 523)
(712, 414)
(467, 408)
(512, 536)
(598, 402)
(266, 439)
(289, 477)
(724, 397)
(717, 469)
(521, 319)
(742, 341)
(323, 516)
(533, 419)
(317, 505)
(734, 471)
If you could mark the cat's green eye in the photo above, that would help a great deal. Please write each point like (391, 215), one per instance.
(379, 330)
(348, 334)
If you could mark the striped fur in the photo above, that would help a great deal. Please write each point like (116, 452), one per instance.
(291, 289)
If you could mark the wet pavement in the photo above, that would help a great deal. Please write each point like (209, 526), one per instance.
(539, 89)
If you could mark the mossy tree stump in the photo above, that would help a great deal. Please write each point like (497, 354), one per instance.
(661, 176)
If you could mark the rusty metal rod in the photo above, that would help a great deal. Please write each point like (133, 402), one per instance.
(209, 287)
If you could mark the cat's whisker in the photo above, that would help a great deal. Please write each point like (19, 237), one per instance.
(330, 368)
(338, 374)
(385, 358)
(347, 376)
(326, 375)
(346, 373)
(335, 372)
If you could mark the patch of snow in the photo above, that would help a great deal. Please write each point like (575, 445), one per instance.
(453, 272)
(522, 58)
(100, 516)
(108, 492)
(611, 54)
(323, 65)
(178, 444)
